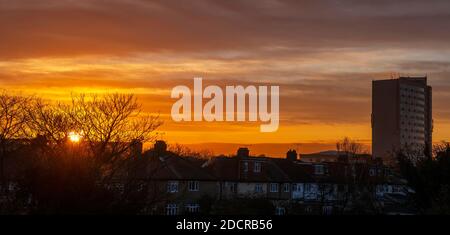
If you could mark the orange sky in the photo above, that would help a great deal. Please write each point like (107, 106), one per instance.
(322, 55)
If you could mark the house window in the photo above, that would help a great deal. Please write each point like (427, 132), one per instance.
(13, 186)
(319, 169)
(233, 187)
(326, 210)
(172, 186)
(286, 187)
(245, 166)
(193, 185)
(395, 189)
(385, 189)
(372, 172)
(379, 189)
(273, 187)
(257, 167)
(172, 209)
(307, 187)
(193, 208)
(141, 187)
(296, 187)
(280, 211)
(258, 188)
(308, 210)
(118, 187)
(388, 188)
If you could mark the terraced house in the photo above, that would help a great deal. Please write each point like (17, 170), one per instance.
(285, 185)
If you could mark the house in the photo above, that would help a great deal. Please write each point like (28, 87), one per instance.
(177, 184)
(171, 185)
(245, 176)
(332, 156)
(292, 186)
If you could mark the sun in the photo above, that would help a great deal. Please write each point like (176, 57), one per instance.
(74, 137)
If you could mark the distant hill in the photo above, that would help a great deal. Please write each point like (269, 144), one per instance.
(268, 149)
(329, 152)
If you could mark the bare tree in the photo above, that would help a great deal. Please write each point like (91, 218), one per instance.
(184, 151)
(13, 129)
(348, 146)
(49, 121)
(326, 194)
(439, 148)
(357, 192)
(111, 129)
(113, 126)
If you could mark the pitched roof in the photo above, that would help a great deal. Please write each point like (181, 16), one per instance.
(295, 171)
(273, 169)
(169, 166)
(224, 168)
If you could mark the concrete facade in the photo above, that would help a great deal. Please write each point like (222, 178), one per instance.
(401, 116)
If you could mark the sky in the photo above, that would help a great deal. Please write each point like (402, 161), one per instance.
(322, 54)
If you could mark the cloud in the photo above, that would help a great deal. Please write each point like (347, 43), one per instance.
(67, 28)
(322, 54)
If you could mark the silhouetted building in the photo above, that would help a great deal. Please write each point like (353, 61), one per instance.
(401, 116)
(325, 156)
(174, 185)
(334, 156)
(291, 155)
(160, 146)
(243, 152)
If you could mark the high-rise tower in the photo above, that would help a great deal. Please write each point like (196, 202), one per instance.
(401, 116)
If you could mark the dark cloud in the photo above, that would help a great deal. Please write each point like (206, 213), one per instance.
(323, 54)
(62, 28)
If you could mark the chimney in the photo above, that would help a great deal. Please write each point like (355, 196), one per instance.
(243, 152)
(160, 147)
(136, 148)
(291, 155)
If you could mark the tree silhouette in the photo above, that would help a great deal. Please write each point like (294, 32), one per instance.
(429, 177)
(60, 175)
(13, 131)
(113, 126)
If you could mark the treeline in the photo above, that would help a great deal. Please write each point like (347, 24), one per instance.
(43, 169)
(430, 179)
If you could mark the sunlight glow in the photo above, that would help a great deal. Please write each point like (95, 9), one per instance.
(74, 137)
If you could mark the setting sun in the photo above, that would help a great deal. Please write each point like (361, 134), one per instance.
(74, 137)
